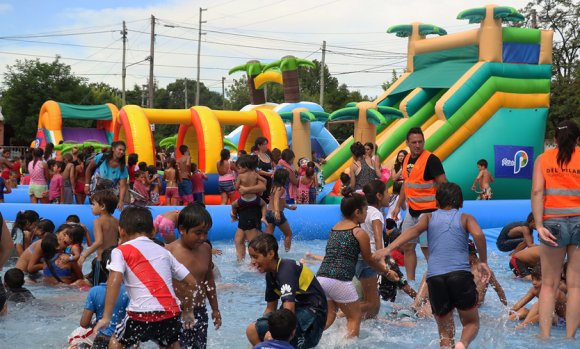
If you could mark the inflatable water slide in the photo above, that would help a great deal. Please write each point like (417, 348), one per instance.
(479, 94)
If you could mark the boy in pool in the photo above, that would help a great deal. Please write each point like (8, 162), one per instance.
(484, 179)
(13, 281)
(298, 289)
(449, 278)
(105, 227)
(195, 253)
(74, 219)
(282, 327)
(153, 313)
(523, 261)
(519, 312)
(95, 304)
(517, 236)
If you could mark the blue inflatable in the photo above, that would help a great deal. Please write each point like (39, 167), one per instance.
(308, 222)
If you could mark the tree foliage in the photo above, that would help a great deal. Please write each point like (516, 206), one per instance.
(563, 17)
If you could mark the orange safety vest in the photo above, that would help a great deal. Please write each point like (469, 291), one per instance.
(562, 188)
(419, 192)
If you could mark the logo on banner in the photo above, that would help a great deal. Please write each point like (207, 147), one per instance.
(513, 161)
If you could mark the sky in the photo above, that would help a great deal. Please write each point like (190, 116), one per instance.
(87, 36)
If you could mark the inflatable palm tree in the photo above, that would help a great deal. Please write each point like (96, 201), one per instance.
(300, 119)
(252, 69)
(505, 13)
(366, 116)
(414, 31)
(289, 67)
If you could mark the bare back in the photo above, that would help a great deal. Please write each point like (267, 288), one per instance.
(170, 177)
(109, 226)
(184, 165)
(485, 179)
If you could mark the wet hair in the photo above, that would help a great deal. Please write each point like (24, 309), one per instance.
(22, 219)
(183, 148)
(372, 188)
(37, 153)
(287, 155)
(264, 243)
(482, 163)
(536, 272)
(142, 166)
(106, 198)
(248, 161)
(76, 233)
(49, 245)
(46, 226)
(224, 156)
(351, 202)
(260, 140)
(280, 178)
(136, 220)
(530, 219)
(14, 278)
(567, 134)
(132, 159)
(73, 218)
(415, 131)
(60, 165)
(195, 214)
(281, 324)
(449, 194)
(357, 149)
(344, 178)
(67, 157)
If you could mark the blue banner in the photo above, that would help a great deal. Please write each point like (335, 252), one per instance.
(512, 161)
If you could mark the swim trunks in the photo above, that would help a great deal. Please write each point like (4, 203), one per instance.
(171, 193)
(249, 214)
(196, 337)
(226, 186)
(452, 290)
(131, 332)
(271, 220)
(185, 188)
(519, 269)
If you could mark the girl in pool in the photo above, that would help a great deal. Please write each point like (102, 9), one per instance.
(171, 176)
(22, 230)
(275, 215)
(165, 225)
(346, 241)
(449, 278)
(59, 269)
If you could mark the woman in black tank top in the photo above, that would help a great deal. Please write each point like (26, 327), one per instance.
(265, 168)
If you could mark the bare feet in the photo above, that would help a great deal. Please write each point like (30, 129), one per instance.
(460, 345)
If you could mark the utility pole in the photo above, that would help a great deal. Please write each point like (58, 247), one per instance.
(143, 94)
(534, 19)
(185, 92)
(199, 54)
(124, 69)
(322, 73)
(151, 61)
(223, 93)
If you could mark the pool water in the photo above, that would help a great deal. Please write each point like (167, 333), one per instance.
(48, 321)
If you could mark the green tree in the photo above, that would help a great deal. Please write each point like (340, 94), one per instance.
(563, 17)
(28, 84)
(394, 77)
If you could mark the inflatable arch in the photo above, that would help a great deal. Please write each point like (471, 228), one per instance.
(200, 129)
(52, 114)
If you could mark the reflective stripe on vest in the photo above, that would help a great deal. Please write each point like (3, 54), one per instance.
(419, 192)
(562, 186)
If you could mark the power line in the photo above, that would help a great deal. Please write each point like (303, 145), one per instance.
(55, 35)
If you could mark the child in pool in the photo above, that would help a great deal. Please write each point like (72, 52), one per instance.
(195, 253)
(58, 269)
(172, 177)
(160, 318)
(13, 281)
(95, 305)
(449, 278)
(275, 215)
(165, 225)
(32, 259)
(481, 285)
(281, 330)
(77, 235)
(523, 261)
(249, 210)
(307, 182)
(74, 219)
(295, 286)
(519, 312)
(42, 228)
(105, 226)
(22, 230)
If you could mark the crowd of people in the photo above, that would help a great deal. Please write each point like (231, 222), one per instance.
(369, 244)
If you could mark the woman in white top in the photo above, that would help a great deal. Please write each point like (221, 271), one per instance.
(377, 195)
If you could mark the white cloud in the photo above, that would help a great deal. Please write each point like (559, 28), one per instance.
(4, 7)
(348, 26)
